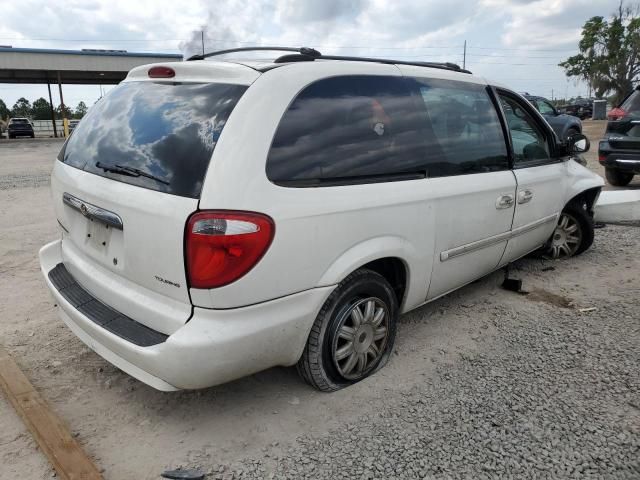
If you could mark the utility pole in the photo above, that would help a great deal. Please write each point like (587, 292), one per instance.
(552, 94)
(202, 39)
(464, 56)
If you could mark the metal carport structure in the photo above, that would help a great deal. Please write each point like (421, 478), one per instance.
(79, 67)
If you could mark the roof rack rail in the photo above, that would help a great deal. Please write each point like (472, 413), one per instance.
(310, 54)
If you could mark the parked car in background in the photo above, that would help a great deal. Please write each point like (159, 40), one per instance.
(20, 127)
(287, 212)
(619, 150)
(581, 108)
(563, 125)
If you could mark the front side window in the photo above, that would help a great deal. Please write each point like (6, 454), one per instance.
(528, 141)
(348, 129)
(463, 132)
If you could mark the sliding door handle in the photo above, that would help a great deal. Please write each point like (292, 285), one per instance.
(504, 201)
(524, 196)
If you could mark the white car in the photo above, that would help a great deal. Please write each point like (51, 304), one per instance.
(218, 218)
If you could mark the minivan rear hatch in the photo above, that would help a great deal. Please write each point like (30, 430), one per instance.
(127, 180)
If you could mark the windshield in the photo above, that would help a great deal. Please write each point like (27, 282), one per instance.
(155, 135)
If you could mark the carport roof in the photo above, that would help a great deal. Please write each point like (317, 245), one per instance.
(37, 65)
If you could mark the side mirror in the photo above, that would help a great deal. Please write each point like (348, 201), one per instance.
(578, 143)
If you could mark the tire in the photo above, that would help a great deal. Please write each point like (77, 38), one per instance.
(12, 136)
(33, 135)
(618, 178)
(570, 132)
(575, 222)
(319, 364)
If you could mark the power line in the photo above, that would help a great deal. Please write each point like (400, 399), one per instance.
(227, 41)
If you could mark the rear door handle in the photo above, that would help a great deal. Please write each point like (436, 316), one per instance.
(504, 201)
(524, 196)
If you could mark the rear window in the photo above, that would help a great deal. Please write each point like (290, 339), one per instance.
(632, 103)
(160, 136)
(19, 120)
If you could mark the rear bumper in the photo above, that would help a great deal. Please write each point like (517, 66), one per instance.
(623, 160)
(21, 132)
(213, 347)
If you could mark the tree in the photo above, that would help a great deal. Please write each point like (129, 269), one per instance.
(4, 111)
(22, 108)
(41, 109)
(81, 110)
(61, 114)
(609, 58)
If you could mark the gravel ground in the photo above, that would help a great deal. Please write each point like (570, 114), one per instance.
(556, 395)
(484, 383)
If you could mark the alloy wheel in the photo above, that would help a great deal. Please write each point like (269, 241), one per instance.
(566, 238)
(361, 338)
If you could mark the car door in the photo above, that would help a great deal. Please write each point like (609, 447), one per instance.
(468, 180)
(540, 176)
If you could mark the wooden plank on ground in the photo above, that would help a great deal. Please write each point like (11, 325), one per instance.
(52, 435)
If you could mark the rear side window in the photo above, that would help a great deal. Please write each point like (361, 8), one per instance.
(360, 129)
(349, 129)
(158, 136)
(631, 104)
(463, 131)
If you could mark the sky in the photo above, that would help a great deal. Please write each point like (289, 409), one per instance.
(514, 42)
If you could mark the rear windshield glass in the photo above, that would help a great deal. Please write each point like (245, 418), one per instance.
(154, 135)
(19, 120)
(632, 103)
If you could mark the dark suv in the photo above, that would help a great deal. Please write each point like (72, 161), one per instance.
(563, 125)
(619, 150)
(20, 127)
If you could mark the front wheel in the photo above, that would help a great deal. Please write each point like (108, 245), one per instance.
(618, 178)
(353, 334)
(571, 132)
(573, 234)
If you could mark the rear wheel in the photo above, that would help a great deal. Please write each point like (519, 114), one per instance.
(573, 234)
(353, 334)
(618, 178)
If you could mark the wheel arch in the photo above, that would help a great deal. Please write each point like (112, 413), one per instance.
(583, 183)
(391, 257)
(587, 198)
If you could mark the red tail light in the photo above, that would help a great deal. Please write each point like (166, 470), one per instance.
(161, 72)
(616, 113)
(222, 246)
(602, 158)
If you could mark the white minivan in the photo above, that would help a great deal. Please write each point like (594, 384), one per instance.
(218, 218)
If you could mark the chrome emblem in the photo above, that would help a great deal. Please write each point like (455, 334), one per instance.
(84, 210)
